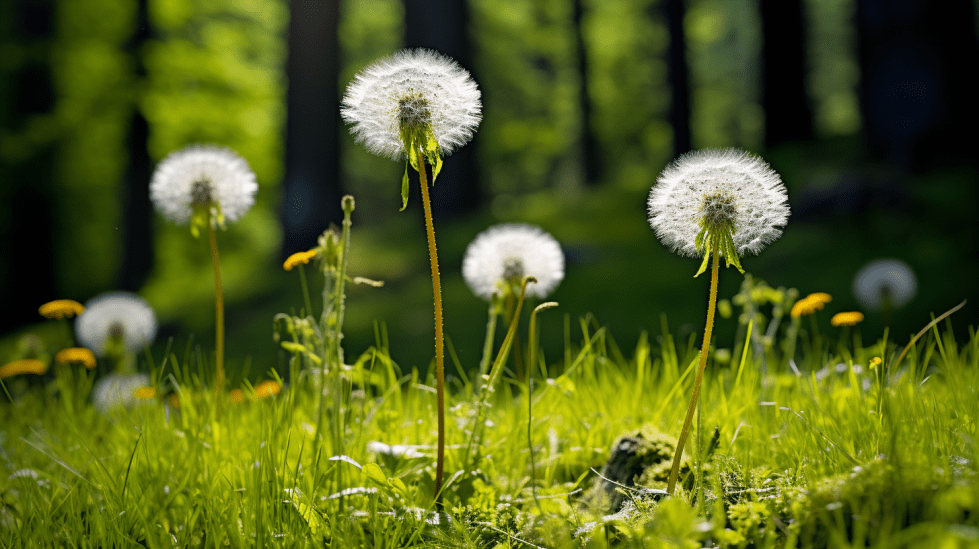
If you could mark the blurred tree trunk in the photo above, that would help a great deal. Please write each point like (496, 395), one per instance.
(312, 188)
(137, 213)
(917, 98)
(679, 75)
(788, 114)
(27, 170)
(590, 152)
(443, 25)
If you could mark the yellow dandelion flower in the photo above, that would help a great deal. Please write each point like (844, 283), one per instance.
(810, 304)
(237, 396)
(267, 389)
(61, 308)
(874, 362)
(851, 318)
(25, 366)
(76, 355)
(297, 258)
(145, 393)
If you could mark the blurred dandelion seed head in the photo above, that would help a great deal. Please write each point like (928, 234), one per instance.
(718, 188)
(119, 316)
(412, 91)
(116, 390)
(885, 279)
(204, 178)
(506, 253)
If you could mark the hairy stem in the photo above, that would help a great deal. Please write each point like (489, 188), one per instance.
(704, 349)
(437, 292)
(218, 315)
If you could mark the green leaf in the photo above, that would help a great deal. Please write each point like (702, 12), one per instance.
(404, 190)
(703, 266)
(399, 486)
(373, 472)
(437, 168)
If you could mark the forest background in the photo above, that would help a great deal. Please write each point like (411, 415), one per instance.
(865, 107)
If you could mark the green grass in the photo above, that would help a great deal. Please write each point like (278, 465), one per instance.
(834, 455)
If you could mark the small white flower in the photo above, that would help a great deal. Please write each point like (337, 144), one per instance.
(117, 390)
(116, 315)
(884, 277)
(718, 187)
(412, 89)
(506, 253)
(203, 178)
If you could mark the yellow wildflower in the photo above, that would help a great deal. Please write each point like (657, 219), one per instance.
(297, 258)
(61, 308)
(145, 393)
(237, 396)
(76, 355)
(874, 363)
(810, 304)
(25, 366)
(267, 389)
(851, 318)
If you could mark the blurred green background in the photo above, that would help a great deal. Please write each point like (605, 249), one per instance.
(860, 105)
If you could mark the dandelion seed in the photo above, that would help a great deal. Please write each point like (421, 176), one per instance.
(885, 283)
(267, 389)
(418, 92)
(503, 255)
(810, 304)
(727, 194)
(61, 308)
(76, 355)
(298, 258)
(24, 366)
(116, 317)
(117, 390)
(851, 318)
(209, 182)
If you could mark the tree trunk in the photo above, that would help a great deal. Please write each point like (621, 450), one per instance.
(312, 188)
(788, 113)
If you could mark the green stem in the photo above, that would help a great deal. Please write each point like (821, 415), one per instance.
(302, 280)
(704, 350)
(437, 294)
(218, 315)
(494, 312)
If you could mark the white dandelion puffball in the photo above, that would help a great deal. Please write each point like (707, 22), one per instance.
(116, 315)
(203, 176)
(882, 278)
(414, 89)
(116, 390)
(718, 186)
(509, 252)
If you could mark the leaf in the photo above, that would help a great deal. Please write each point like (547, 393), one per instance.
(399, 485)
(703, 266)
(347, 459)
(404, 190)
(373, 472)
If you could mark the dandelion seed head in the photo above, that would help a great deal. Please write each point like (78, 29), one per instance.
(506, 253)
(203, 177)
(411, 90)
(118, 390)
(116, 315)
(885, 279)
(719, 188)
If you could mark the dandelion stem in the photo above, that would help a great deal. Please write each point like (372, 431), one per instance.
(705, 348)
(494, 312)
(218, 315)
(302, 280)
(437, 292)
